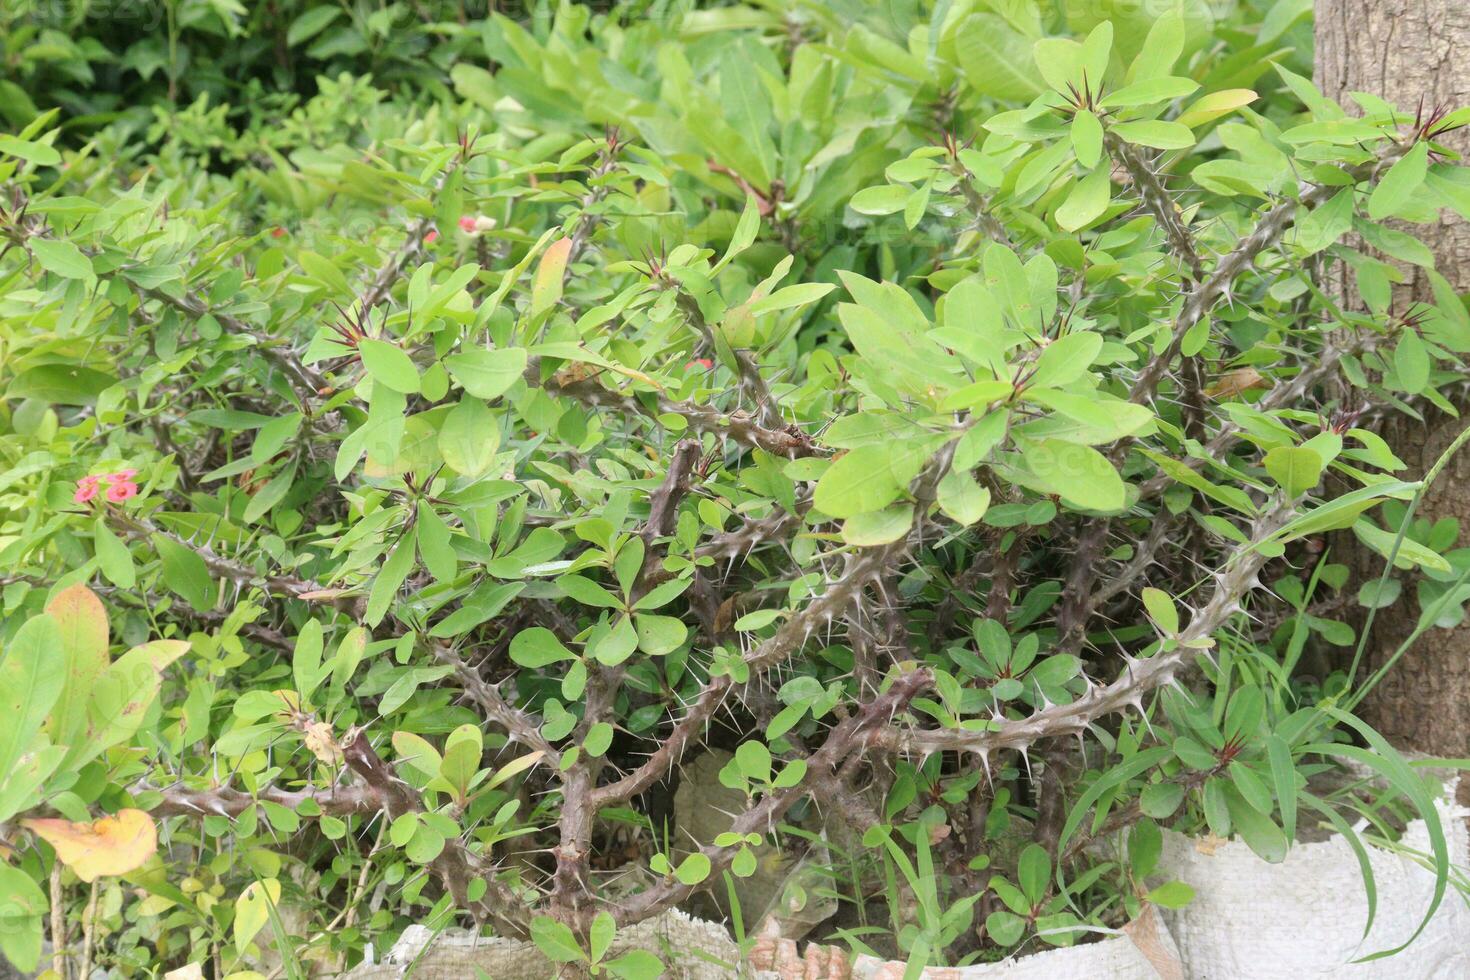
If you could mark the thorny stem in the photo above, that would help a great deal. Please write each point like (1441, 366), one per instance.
(1139, 677)
(1199, 300)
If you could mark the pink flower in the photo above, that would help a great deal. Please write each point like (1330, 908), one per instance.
(432, 236)
(700, 362)
(278, 232)
(476, 224)
(120, 491)
(88, 481)
(122, 476)
(85, 491)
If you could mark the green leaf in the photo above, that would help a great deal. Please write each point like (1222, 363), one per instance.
(469, 438)
(1151, 90)
(1161, 610)
(659, 635)
(556, 941)
(1087, 139)
(463, 750)
(113, 557)
(40, 154)
(1323, 226)
(878, 527)
(1210, 107)
(638, 964)
(185, 573)
(1408, 553)
(802, 294)
(1411, 362)
(22, 909)
(1403, 180)
(1080, 475)
(416, 752)
(754, 761)
(599, 737)
(1155, 133)
(306, 659)
(1172, 895)
(1004, 928)
(388, 365)
(1295, 469)
(61, 257)
(389, 578)
(962, 498)
(487, 373)
(858, 482)
(30, 685)
(537, 647)
(1258, 830)
(311, 23)
(1033, 872)
(693, 869)
(1066, 359)
(996, 59)
(1161, 800)
(1087, 201)
(604, 928)
(1283, 775)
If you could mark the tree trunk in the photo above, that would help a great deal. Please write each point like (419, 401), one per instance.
(1413, 52)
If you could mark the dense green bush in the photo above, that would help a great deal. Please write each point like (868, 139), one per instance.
(938, 409)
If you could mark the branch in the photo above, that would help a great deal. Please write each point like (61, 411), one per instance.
(663, 503)
(752, 384)
(456, 867)
(854, 734)
(519, 725)
(1267, 233)
(1198, 302)
(863, 568)
(587, 221)
(338, 801)
(1138, 678)
(1157, 202)
(282, 586)
(307, 382)
(784, 440)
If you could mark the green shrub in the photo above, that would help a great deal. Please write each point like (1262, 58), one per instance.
(940, 413)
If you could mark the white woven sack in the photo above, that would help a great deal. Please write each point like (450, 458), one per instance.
(1304, 918)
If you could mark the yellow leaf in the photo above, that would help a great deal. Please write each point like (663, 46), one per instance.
(83, 622)
(252, 910)
(546, 288)
(110, 846)
(321, 743)
(1215, 105)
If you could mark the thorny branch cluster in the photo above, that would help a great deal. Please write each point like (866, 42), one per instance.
(859, 601)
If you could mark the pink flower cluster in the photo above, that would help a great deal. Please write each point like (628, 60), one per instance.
(115, 487)
(472, 225)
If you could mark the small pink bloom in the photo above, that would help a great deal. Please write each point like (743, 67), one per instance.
(85, 492)
(122, 475)
(118, 492)
(278, 232)
(432, 236)
(468, 223)
(700, 362)
(88, 481)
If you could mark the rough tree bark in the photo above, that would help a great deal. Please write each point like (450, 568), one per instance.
(1405, 51)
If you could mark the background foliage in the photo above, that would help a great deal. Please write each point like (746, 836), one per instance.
(463, 420)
